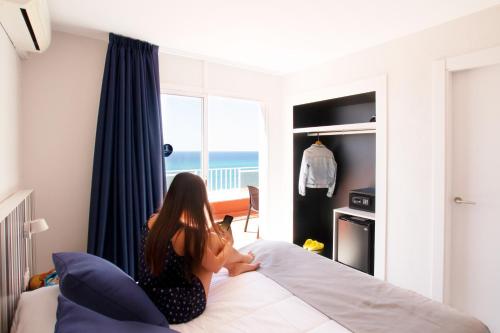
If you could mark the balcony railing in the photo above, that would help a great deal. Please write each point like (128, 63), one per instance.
(220, 179)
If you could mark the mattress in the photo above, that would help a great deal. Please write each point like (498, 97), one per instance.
(250, 302)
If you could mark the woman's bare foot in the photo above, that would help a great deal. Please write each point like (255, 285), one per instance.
(246, 258)
(239, 268)
(249, 257)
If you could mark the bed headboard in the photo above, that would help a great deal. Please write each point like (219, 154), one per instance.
(16, 255)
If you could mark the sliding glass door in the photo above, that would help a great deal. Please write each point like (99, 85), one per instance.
(217, 138)
(183, 129)
(233, 146)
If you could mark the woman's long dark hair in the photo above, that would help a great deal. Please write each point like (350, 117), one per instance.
(186, 198)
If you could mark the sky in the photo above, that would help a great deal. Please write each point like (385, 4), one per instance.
(233, 124)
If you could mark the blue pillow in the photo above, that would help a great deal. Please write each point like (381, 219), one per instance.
(73, 318)
(99, 285)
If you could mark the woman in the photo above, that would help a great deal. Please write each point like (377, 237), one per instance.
(182, 248)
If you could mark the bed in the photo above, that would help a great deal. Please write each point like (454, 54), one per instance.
(247, 303)
(293, 291)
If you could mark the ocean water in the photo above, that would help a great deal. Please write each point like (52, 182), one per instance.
(189, 160)
(218, 179)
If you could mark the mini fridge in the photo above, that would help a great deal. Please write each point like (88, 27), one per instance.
(355, 242)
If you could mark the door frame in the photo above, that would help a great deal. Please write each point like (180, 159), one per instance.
(204, 94)
(377, 84)
(442, 130)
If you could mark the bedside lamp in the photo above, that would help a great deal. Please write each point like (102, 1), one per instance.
(31, 227)
(34, 227)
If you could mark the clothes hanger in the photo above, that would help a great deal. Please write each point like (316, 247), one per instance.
(318, 142)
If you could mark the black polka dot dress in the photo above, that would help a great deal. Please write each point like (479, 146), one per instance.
(178, 297)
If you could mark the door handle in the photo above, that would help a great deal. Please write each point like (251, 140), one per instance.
(461, 201)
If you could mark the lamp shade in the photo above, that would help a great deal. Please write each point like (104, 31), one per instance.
(38, 225)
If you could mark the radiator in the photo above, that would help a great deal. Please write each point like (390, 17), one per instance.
(16, 255)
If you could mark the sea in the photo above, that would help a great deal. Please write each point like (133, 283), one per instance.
(218, 179)
(191, 160)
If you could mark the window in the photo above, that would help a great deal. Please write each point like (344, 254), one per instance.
(233, 144)
(182, 128)
(217, 138)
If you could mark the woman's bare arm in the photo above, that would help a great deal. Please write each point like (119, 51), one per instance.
(216, 253)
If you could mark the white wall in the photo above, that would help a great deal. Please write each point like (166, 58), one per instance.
(60, 98)
(408, 64)
(10, 66)
(61, 90)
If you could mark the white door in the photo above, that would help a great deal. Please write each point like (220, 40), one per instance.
(474, 270)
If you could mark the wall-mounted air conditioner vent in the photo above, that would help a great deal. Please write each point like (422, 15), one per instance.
(27, 23)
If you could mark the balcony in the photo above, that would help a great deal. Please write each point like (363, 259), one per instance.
(227, 189)
(224, 181)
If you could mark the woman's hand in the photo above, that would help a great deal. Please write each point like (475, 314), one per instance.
(227, 247)
(228, 236)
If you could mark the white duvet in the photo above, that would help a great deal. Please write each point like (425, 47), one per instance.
(250, 302)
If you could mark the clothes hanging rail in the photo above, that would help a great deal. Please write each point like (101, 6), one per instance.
(347, 129)
(341, 133)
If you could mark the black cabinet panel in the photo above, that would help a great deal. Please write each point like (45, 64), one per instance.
(339, 111)
(313, 213)
(355, 156)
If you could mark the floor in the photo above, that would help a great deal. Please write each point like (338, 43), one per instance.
(242, 238)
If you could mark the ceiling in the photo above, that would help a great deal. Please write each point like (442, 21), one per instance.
(278, 36)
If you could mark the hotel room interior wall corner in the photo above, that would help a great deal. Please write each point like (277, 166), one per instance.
(408, 64)
(10, 125)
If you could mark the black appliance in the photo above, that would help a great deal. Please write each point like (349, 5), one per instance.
(355, 242)
(362, 199)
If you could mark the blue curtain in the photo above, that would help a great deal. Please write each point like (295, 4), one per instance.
(128, 181)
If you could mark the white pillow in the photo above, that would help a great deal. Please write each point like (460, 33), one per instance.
(36, 311)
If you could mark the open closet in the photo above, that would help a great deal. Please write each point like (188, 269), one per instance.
(347, 126)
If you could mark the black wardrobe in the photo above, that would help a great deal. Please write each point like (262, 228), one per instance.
(351, 137)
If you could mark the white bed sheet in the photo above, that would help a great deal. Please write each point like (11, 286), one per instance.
(250, 302)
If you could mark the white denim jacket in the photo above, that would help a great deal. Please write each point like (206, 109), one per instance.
(318, 169)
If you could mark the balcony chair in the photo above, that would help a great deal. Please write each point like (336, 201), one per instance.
(253, 204)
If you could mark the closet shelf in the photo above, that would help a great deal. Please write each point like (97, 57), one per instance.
(359, 128)
(354, 212)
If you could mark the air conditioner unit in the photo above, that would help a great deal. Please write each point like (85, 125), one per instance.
(27, 24)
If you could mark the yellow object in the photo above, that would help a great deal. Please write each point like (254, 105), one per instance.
(316, 246)
(307, 243)
(313, 245)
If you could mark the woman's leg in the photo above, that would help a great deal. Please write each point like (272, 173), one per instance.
(234, 256)
(241, 267)
(236, 262)
(237, 257)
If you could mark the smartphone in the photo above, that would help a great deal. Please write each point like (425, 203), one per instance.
(226, 222)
